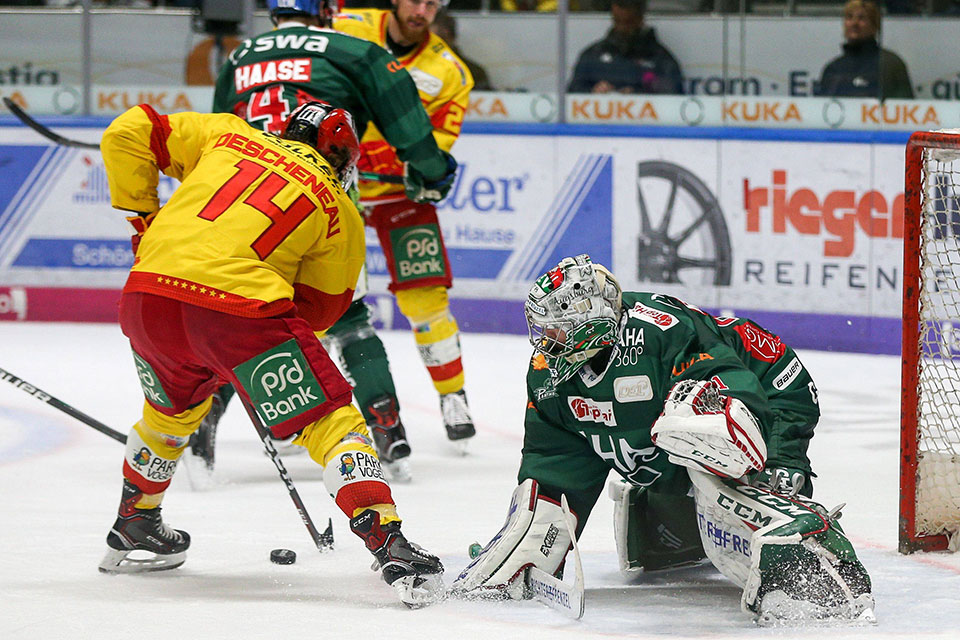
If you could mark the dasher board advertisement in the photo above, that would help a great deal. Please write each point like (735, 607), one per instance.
(783, 227)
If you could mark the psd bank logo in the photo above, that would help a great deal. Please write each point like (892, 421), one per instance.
(683, 236)
(417, 252)
(280, 383)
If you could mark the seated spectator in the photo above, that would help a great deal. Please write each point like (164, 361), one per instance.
(865, 70)
(445, 26)
(628, 59)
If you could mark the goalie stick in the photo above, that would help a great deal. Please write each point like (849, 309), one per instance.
(51, 135)
(550, 590)
(43, 396)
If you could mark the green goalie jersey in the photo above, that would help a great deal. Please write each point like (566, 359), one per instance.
(267, 76)
(600, 419)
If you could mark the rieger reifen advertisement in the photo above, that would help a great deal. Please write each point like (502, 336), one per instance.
(807, 229)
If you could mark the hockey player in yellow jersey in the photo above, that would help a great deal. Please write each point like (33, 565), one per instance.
(409, 232)
(256, 250)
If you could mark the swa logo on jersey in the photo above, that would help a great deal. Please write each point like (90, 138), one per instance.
(589, 410)
(280, 383)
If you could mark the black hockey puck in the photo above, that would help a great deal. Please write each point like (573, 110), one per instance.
(283, 556)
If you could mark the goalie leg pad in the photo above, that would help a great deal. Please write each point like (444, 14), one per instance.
(534, 534)
(789, 555)
(653, 530)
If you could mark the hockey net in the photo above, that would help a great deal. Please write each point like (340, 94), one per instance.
(930, 402)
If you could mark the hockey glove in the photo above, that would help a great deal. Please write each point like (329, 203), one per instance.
(140, 223)
(703, 430)
(419, 189)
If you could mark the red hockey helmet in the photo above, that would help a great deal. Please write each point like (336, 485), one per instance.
(328, 130)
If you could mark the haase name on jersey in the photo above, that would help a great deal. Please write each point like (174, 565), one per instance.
(271, 71)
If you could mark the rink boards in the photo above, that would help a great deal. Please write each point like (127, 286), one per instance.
(800, 230)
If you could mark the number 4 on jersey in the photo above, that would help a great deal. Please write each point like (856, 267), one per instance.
(282, 221)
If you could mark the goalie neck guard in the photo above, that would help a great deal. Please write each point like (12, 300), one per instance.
(572, 313)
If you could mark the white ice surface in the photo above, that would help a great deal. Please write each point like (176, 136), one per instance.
(60, 483)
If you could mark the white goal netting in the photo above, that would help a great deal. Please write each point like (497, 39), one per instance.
(938, 411)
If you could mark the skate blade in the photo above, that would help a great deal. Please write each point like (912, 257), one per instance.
(423, 591)
(460, 447)
(119, 562)
(399, 470)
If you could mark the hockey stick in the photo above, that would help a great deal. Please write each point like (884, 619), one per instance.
(44, 131)
(324, 541)
(47, 133)
(43, 396)
(550, 590)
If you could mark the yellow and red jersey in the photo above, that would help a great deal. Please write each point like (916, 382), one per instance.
(444, 84)
(259, 224)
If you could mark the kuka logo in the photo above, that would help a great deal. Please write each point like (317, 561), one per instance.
(838, 214)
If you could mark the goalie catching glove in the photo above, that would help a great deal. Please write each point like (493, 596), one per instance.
(703, 430)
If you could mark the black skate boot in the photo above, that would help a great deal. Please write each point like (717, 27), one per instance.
(415, 574)
(390, 438)
(142, 530)
(456, 419)
(203, 441)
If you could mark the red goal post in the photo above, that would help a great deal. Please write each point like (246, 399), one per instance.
(930, 398)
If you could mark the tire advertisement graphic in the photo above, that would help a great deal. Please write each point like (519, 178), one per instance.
(683, 235)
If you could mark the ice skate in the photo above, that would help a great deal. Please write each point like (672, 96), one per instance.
(390, 438)
(457, 420)
(416, 575)
(142, 532)
(200, 456)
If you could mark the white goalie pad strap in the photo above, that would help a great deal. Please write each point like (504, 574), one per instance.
(534, 534)
(620, 491)
(702, 430)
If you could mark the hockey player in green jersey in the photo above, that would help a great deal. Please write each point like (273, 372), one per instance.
(262, 82)
(705, 419)
(267, 76)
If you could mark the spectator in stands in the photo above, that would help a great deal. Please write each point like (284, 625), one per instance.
(629, 59)
(865, 70)
(445, 26)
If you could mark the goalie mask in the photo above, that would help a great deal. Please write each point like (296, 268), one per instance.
(572, 313)
(331, 132)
